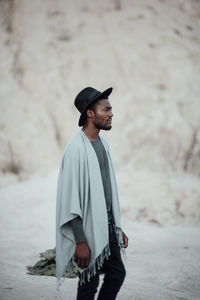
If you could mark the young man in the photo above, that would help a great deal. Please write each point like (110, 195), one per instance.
(88, 227)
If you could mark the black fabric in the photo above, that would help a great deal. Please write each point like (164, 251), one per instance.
(114, 274)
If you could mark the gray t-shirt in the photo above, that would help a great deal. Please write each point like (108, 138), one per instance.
(105, 174)
(77, 223)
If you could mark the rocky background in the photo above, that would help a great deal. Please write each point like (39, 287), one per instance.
(149, 52)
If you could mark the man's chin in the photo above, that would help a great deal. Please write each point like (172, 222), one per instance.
(107, 128)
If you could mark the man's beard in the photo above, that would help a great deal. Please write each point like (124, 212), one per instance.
(101, 127)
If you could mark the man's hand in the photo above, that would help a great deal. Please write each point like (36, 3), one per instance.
(82, 255)
(125, 240)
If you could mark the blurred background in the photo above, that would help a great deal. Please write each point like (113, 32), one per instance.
(149, 52)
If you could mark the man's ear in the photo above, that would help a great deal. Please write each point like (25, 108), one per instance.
(90, 113)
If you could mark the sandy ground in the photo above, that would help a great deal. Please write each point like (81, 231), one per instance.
(161, 262)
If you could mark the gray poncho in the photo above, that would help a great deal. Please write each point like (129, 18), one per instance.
(80, 193)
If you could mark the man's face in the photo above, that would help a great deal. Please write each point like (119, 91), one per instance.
(103, 115)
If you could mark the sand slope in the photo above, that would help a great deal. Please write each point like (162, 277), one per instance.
(147, 50)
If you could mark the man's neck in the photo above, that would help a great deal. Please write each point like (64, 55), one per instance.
(91, 133)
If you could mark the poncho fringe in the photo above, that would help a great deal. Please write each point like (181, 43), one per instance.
(89, 273)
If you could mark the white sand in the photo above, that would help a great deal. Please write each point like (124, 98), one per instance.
(161, 262)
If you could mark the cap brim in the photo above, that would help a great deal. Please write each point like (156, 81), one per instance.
(103, 95)
(106, 93)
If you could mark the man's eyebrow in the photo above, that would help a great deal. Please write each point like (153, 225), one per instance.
(107, 106)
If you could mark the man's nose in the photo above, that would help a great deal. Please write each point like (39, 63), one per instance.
(111, 114)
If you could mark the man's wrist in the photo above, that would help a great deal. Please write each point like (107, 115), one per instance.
(81, 241)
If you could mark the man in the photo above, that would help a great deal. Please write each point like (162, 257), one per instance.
(88, 228)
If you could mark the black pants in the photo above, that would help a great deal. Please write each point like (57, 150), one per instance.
(114, 271)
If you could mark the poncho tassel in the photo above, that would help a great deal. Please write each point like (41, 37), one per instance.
(118, 233)
(89, 273)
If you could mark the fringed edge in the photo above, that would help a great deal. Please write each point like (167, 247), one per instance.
(90, 272)
(118, 233)
(87, 274)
